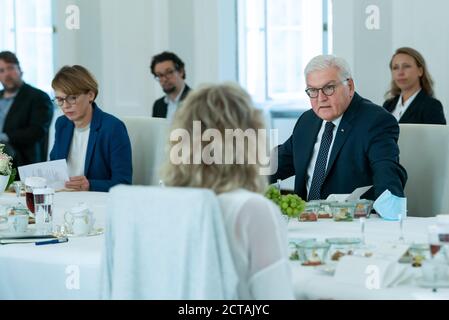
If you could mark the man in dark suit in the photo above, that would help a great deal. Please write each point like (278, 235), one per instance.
(345, 142)
(25, 114)
(169, 70)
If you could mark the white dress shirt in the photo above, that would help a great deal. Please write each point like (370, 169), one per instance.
(316, 150)
(402, 107)
(172, 105)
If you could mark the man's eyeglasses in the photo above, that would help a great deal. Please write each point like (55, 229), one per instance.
(71, 100)
(327, 90)
(168, 74)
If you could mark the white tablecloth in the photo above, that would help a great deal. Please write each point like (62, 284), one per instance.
(72, 270)
(58, 271)
(311, 283)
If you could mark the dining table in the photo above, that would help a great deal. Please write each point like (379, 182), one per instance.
(72, 270)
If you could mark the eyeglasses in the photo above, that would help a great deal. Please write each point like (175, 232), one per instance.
(71, 100)
(327, 90)
(168, 74)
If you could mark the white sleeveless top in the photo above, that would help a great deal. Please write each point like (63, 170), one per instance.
(258, 241)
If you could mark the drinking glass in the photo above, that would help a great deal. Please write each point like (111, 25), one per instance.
(31, 184)
(18, 187)
(43, 202)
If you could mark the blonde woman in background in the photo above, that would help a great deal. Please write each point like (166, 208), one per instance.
(255, 230)
(411, 97)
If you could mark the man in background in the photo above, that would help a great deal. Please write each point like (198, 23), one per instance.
(169, 70)
(25, 114)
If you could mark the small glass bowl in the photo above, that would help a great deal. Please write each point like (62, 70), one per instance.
(293, 246)
(363, 208)
(343, 211)
(340, 247)
(418, 252)
(325, 211)
(313, 253)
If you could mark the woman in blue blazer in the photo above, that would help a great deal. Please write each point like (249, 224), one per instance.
(410, 98)
(95, 144)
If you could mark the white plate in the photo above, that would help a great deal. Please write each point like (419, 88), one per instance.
(430, 284)
(93, 233)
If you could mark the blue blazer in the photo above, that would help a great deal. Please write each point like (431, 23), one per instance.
(365, 152)
(108, 158)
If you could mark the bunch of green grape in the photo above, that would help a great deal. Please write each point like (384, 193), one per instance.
(292, 205)
(273, 194)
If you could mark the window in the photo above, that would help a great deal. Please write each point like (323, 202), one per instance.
(276, 40)
(26, 28)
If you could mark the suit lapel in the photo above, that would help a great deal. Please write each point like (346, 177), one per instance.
(311, 130)
(67, 135)
(16, 101)
(94, 127)
(343, 131)
(413, 107)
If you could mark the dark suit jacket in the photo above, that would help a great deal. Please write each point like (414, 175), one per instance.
(160, 107)
(365, 152)
(27, 124)
(423, 109)
(108, 157)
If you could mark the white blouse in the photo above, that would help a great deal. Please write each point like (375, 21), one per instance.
(78, 150)
(258, 240)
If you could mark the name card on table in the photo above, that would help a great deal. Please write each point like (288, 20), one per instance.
(349, 197)
(55, 172)
(371, 273)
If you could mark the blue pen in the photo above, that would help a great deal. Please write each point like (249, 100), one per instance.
(55, 241)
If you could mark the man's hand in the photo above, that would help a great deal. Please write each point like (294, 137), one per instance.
(78, 184)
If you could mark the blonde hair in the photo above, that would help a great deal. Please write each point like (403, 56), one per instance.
(425, 81)
(75, 80)
(220, 107)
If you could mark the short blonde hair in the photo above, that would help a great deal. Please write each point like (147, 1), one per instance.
(220, 107)
(75, 80)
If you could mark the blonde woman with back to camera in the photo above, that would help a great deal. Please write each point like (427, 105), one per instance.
(255, 230)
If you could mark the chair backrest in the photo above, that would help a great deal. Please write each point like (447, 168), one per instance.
(166, 243)
(425, 155)
(148, 136)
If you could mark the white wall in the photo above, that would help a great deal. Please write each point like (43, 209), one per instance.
(416, 23)
(118, 38)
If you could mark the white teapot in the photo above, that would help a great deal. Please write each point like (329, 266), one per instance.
(79, 220)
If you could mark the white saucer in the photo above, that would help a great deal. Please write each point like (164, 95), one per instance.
(430, 284)
(93, 233)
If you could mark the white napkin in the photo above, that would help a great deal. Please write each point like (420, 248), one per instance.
(372, 273)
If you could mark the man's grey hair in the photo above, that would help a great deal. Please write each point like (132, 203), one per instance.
(324, 62)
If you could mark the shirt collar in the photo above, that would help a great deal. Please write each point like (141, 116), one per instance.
(168, 100)
(409, 101)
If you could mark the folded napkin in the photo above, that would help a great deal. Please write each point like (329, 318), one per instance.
(372, 273)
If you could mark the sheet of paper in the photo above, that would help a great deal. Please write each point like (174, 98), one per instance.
(338, 197)
(349, 197)
(56, 173)
(358, 193)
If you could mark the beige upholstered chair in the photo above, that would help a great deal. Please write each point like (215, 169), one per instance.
(148, 136)
(425, 155)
